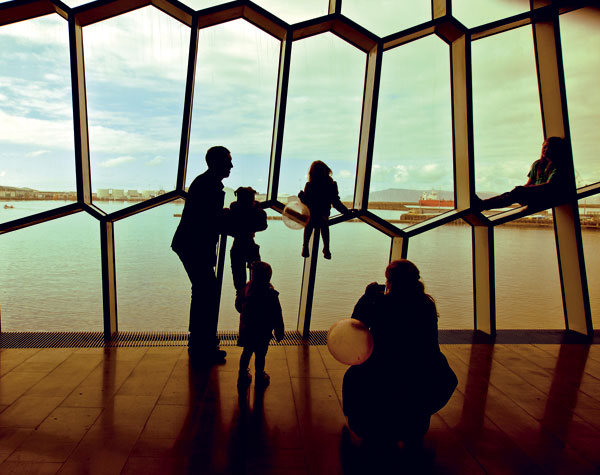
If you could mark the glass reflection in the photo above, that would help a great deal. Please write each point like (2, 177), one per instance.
(384, 17)
(472, 13)
(153, 290)
(234, 100)
(280, 247)
(447, 247)
(323, 112)
(50, 276)
(135, 78)
(580, 34)
(412, 158)
(507, 130)
(37, 164)
(528, 294)
(591, 244)
(359, 256)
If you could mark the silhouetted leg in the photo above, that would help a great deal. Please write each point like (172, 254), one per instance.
(204, 308)
(325, 236)
(500, 201)
(307, 233)
(238, 268)
(244, 376)
(260, 356)
(245, 359)
(262, 378)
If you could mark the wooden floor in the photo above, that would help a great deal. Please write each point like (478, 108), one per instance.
(519, 408)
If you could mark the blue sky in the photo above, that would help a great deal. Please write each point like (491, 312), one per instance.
(135, 78)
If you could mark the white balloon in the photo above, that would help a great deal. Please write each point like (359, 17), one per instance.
(350, 341)
(295, 215)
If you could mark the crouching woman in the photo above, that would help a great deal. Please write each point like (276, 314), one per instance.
(407, 379)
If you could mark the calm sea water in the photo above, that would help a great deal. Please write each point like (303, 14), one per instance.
(50, 275)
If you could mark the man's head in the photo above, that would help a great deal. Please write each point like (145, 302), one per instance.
(218, 160)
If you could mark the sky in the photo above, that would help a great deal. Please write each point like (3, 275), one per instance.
(135, 67)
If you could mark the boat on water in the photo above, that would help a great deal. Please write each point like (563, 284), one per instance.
(8, 206)
(432, 199)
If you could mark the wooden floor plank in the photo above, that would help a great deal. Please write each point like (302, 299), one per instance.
(518, 409)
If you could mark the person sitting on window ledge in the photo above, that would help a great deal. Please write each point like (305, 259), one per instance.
(548, 181)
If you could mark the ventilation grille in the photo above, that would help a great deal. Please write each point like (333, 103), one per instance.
(125, 339)
(292, 338)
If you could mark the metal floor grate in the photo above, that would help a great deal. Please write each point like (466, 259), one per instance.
(128, 339)
(292, 338)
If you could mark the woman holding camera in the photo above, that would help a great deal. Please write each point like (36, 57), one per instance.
(407, 379)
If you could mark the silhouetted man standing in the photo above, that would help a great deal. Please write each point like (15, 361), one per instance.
(195, 242)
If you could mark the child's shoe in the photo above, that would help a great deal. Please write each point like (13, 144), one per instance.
(305, 252)
(326, 253)
(244, 378)
(262, 379)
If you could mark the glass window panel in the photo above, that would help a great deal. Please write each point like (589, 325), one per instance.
(360, 255)
(135, 79)
(472, 13)
(280, 247)
(36, 137)
(323, 112)
(507, 129)
(153, 289)
(591, 250)
(412, 157)
(528, 294)
(293, 11)
(580, 35)
(384, 17)
(50, 276)
(444, 257)
(234, 100)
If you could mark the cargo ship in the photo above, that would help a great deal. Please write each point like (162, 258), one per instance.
(431, 199)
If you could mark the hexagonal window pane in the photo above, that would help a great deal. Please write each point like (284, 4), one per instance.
(50, 276)
(359, 256)
(292, 11)
(37, 159)
(447, 247)
(384, 17)
(472, 13)
(580, 34)
(412, 175)
(528, 294)
(136, 67)
(591, 245)
(153, 289)
(323, 112)
(507, 130)
(234, 100)
(279, 246)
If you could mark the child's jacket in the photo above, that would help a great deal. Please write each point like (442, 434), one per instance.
(260, 315)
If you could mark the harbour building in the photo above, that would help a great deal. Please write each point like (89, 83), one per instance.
(400, 99)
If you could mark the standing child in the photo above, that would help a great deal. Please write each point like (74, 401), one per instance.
(246, 217)
(260, 315)
(319, 194)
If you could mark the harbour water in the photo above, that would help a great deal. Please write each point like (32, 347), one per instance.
(50, 278)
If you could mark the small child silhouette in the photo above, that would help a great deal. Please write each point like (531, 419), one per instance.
(260, 316)
(246, 217)
(320, 193)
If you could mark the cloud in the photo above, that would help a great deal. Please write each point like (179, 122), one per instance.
(2, 173)
(155, 161)
(115, 162)
(37, 153)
